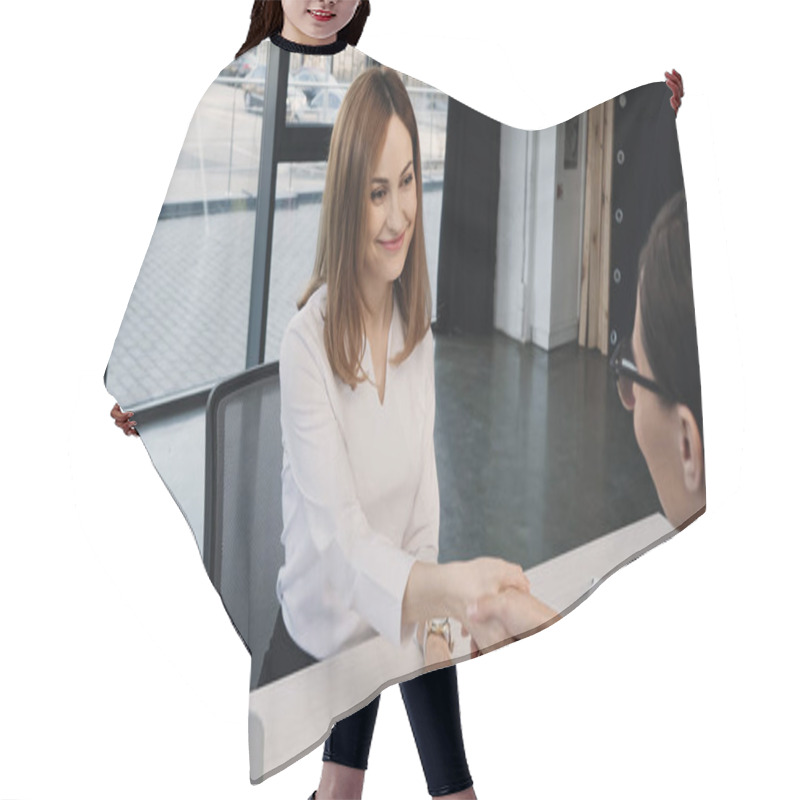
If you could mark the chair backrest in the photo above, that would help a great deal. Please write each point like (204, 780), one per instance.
(243, 519)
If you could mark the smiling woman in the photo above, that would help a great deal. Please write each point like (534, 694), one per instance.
(306, 22)
(360, 487)
(669, 423)
(375, 144)
(316, 21)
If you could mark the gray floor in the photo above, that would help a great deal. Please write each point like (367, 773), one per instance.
(534, 451)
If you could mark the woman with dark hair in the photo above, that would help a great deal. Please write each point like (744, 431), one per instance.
(305, 22)
(658, 379)
(324, 26)
(658, 372)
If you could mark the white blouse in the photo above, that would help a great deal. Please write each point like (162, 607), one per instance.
(360, 490)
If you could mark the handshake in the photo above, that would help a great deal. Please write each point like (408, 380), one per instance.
(496, 619)
(490, 597)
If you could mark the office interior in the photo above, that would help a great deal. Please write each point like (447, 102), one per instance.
(532, 240)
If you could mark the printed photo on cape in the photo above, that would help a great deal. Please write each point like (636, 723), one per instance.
(531, 243)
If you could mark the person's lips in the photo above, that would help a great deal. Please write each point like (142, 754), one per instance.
(393, 244)
(322, 16)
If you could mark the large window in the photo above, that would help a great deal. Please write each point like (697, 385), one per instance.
(186, 323)
(197, 313)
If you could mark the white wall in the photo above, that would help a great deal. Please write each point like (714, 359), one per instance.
(539, 285)
(514, 229)
(538, 237)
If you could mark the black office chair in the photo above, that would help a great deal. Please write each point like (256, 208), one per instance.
(243, 520)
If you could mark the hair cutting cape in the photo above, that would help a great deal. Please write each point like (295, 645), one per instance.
(532, 242)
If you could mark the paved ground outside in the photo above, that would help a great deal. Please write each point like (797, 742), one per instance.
(186, 323)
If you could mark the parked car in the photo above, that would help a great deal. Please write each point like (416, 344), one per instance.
(311, 80)
(322, 110)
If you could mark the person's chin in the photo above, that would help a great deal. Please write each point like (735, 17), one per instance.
(397, 269)
(392, 268)
(316, 35)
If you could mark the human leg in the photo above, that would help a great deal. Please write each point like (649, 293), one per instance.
(351, 737)
(339, 782)
(346, 753)
(434, 713)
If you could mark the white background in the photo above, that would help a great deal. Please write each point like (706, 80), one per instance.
(120, 674)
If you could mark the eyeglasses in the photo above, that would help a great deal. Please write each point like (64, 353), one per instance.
(626, 372)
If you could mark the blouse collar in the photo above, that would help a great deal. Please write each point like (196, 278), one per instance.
(311, 49)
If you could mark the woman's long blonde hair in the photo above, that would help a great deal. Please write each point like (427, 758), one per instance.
(358, 137)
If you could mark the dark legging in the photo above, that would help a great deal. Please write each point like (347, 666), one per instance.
(431, 701)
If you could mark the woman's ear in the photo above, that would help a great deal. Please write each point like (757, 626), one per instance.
(691, 451)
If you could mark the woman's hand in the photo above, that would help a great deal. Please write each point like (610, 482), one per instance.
(483, 576)
(124, 420)
(445, 590)
(511, 614)
(675, 84)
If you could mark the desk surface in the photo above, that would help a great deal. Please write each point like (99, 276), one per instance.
(292, 716)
